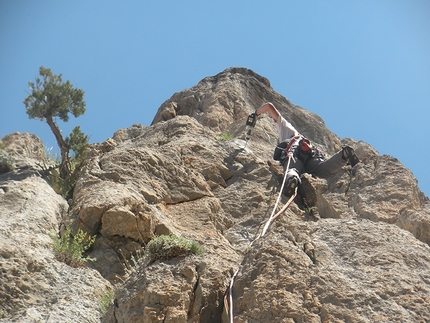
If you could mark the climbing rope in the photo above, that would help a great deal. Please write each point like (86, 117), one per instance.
(228, 297)
(278, 199)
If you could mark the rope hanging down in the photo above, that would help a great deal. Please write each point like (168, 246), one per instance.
(272, 216)
(228, 298)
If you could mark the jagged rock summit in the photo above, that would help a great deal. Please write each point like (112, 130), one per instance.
(358, 251)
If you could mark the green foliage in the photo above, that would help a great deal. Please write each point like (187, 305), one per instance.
(166, 247)
(51, 97)
(163, 247)
(70, 249)
(130, 266)
(105, 300)
(65, 185)
(225, 136)
(309, 210)
(59, 184)
(78, 143)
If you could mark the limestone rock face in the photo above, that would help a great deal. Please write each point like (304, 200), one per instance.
(34, 286)
(22, 153)
(222, 102)
(334, 270)
(24, 145)
(351, 248)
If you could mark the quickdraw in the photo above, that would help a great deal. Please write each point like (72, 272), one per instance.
(250, 123)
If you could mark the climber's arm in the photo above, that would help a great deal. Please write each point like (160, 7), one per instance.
(270, 108)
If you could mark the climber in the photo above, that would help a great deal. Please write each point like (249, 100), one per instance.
(305, 157)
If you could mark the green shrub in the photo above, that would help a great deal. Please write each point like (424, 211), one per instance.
(166, 247)
(105, 300)
(51, 173)
(63, 185)
(225, 136)
(70, 249)
(130, 266)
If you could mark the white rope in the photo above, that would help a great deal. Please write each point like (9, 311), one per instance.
(228, 297)
(229, 303)
(277, 201)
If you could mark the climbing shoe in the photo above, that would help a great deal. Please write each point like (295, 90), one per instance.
(350, 156)
(293, 180)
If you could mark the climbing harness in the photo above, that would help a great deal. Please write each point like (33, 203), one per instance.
(228, 296)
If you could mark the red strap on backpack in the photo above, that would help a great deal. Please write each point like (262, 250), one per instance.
(305, 145)
(292, 142)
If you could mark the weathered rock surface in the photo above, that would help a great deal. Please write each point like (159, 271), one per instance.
(23, 153)
(34, 286)
(352, 248)
(222, 102)
(24, 146)
(334, 270)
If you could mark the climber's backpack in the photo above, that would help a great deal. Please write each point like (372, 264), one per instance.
(280, 152)
(279, 149)
(304, 150)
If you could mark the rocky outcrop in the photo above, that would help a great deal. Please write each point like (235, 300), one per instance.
(222, 102)
(34, 286)
(334, 270)
(24, 147)
(351, 248)
(22, 155)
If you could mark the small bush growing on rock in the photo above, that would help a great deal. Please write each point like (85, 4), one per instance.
(70, 249)
(130, 266)
(105, 300)
(225, 136)
(166, 247)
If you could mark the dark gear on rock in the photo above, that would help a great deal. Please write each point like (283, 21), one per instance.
(305, 157)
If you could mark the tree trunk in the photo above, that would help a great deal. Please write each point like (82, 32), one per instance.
(65, 160)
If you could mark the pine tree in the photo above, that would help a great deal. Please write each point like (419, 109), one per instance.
(51, 98)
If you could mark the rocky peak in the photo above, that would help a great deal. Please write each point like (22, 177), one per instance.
(357, 251)
(221, 103)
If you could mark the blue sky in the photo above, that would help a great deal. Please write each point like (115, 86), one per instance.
(362, 65)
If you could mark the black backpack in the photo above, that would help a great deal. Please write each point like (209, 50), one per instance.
(279, 154)
(279, 149)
